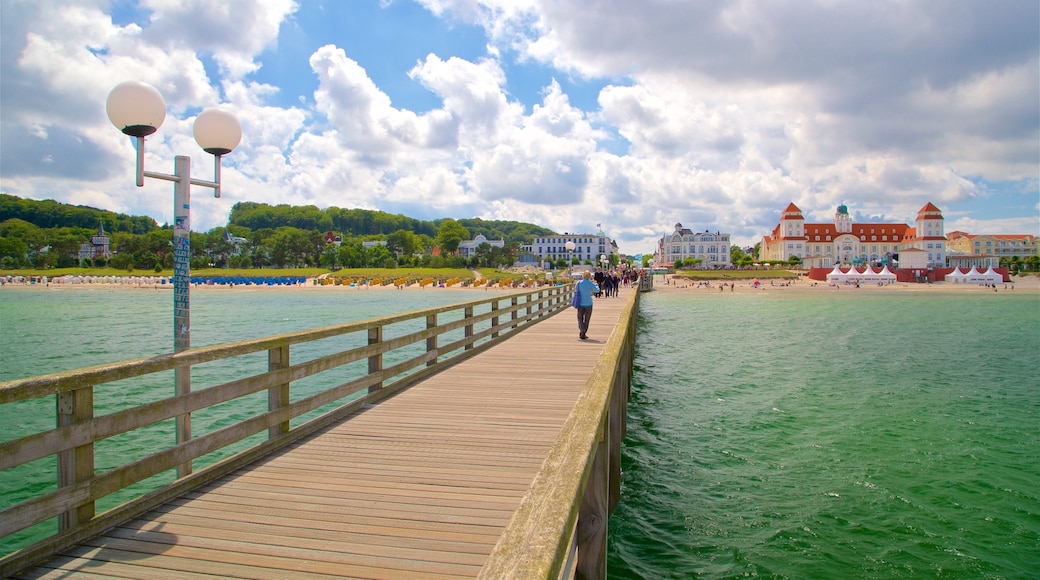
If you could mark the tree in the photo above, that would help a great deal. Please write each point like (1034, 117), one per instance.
(380, 257)
(403, 243)
(13, 252)
(450, 235)
(330, 257)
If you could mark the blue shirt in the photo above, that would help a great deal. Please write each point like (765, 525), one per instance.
(585, 290)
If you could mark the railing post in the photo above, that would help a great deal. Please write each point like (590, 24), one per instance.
(616, 420)
(182, 387)
(591, 532)
(494, 319)
(468, 333)
(529, 301)
(278, 395)
(513, 303)
(375, 362)
(431, 343)
(75, 465)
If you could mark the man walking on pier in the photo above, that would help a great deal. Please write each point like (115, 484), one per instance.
(585, 288)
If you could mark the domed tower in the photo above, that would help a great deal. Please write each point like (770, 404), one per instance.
(842, 221)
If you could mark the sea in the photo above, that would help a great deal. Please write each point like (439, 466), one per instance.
(832, 434)
(851, 434)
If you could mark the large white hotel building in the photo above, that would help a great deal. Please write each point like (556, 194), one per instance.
(587, 247)
(712, 249)
(822, 245)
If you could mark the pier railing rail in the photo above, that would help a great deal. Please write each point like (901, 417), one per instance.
(560, 528)
(400, 350)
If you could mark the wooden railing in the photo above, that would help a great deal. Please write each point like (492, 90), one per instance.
(398, 350)
(560, 529)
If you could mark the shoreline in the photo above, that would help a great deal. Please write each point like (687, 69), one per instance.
(662, 283)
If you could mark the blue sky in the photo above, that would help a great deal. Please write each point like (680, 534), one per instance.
(563, 113)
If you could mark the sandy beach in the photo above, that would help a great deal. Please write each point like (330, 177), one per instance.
(662, 283)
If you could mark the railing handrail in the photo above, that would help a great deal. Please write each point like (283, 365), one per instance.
(79, 486)
(542, 533)
(52, 383)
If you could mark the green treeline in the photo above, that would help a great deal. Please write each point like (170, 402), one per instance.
(48, 234)
(51, 214)
(364, 222)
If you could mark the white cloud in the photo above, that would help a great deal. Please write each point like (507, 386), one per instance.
(715, 115)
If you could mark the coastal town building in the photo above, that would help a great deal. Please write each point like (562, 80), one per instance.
(237, 242)
(711, 249)
(469, 247)
(982, 251)
(332, 238)
(822, 245)
(97, 247)
(587, 248)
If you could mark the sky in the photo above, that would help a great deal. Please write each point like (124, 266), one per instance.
(614, 115)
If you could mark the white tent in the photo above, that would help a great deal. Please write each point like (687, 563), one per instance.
(869, 275)
(885, 275)
(956, 277)
(976, 277)
(993, 275)
(836, 276)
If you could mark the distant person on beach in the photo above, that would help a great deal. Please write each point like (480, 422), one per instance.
(585, 289)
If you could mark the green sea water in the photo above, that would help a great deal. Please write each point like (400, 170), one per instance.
(844, 435)
(832, 435)
(45, 330)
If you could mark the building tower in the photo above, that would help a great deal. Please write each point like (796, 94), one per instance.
(842, 221)
(792, 222)
(931, 236)
(930, 223)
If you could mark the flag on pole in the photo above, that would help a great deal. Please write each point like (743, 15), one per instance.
(599, 225)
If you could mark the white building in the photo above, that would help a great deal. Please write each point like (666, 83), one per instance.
(587, 247)
(682, 244)
(822, 245)
(468, 248)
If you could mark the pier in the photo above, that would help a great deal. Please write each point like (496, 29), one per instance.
(479, 440)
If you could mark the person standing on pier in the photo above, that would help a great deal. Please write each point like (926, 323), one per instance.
(585, 289)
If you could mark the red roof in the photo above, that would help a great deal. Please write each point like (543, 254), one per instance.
(929, 208)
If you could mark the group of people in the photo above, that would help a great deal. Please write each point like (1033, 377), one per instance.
(608, 282)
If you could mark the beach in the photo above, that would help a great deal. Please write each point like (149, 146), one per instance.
(669, 283)
(662, 283)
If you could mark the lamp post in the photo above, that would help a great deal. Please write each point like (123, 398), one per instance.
(137, 109)
(570, 261)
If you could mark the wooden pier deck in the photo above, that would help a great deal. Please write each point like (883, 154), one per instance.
(420, 485)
